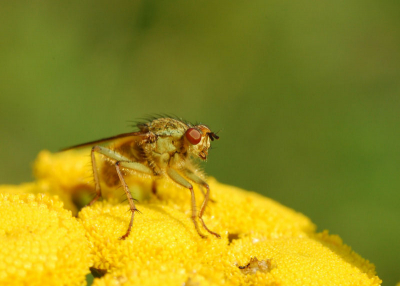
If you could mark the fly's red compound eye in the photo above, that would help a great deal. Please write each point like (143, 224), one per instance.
(193, 135)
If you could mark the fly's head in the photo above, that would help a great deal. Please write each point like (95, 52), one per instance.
(198, 140)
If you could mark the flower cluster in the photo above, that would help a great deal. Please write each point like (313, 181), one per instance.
(41, 243)
(262, 242)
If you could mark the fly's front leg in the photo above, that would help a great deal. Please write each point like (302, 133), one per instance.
(192, 176)
(174, 175)
(123, 162)
(204, 194)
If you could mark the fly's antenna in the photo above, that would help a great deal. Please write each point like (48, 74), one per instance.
(213, 136)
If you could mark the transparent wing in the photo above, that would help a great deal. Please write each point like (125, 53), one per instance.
(92, 143)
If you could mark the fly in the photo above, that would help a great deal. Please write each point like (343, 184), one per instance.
(161, 147)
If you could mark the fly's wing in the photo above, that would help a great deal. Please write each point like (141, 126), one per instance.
(92, 143)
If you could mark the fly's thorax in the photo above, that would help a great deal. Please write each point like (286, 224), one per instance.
(177, 161)
(168, 127)
(167, 153)
(167, 144)
(161, 161)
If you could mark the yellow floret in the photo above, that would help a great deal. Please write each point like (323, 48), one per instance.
(41, 243)
(164, 247)
(41, 187)
(262, 242)
(71, 173)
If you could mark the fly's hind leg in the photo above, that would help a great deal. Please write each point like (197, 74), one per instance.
(108, 153)
(95, 176)
(192, 176)
(123, 162)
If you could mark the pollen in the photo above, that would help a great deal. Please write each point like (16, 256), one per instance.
(262, 242)
(41, 243)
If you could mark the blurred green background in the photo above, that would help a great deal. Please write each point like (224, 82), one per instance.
(307, 94)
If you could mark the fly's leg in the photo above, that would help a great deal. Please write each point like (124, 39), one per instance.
(202, 209)
(133, 166)
(95, 176)
(132, 206)
(174, 175)
(192, 176)
(202, 190)
(204, 194)
(123, 162)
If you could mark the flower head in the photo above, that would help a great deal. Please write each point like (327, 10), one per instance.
(41, 243)
(262, 242)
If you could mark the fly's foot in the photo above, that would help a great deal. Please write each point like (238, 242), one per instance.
(206, 228)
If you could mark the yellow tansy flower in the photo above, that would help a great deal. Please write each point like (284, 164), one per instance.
(164, 248)
(40, 242)
(71, 173)
(41, 187)
(262, 243)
